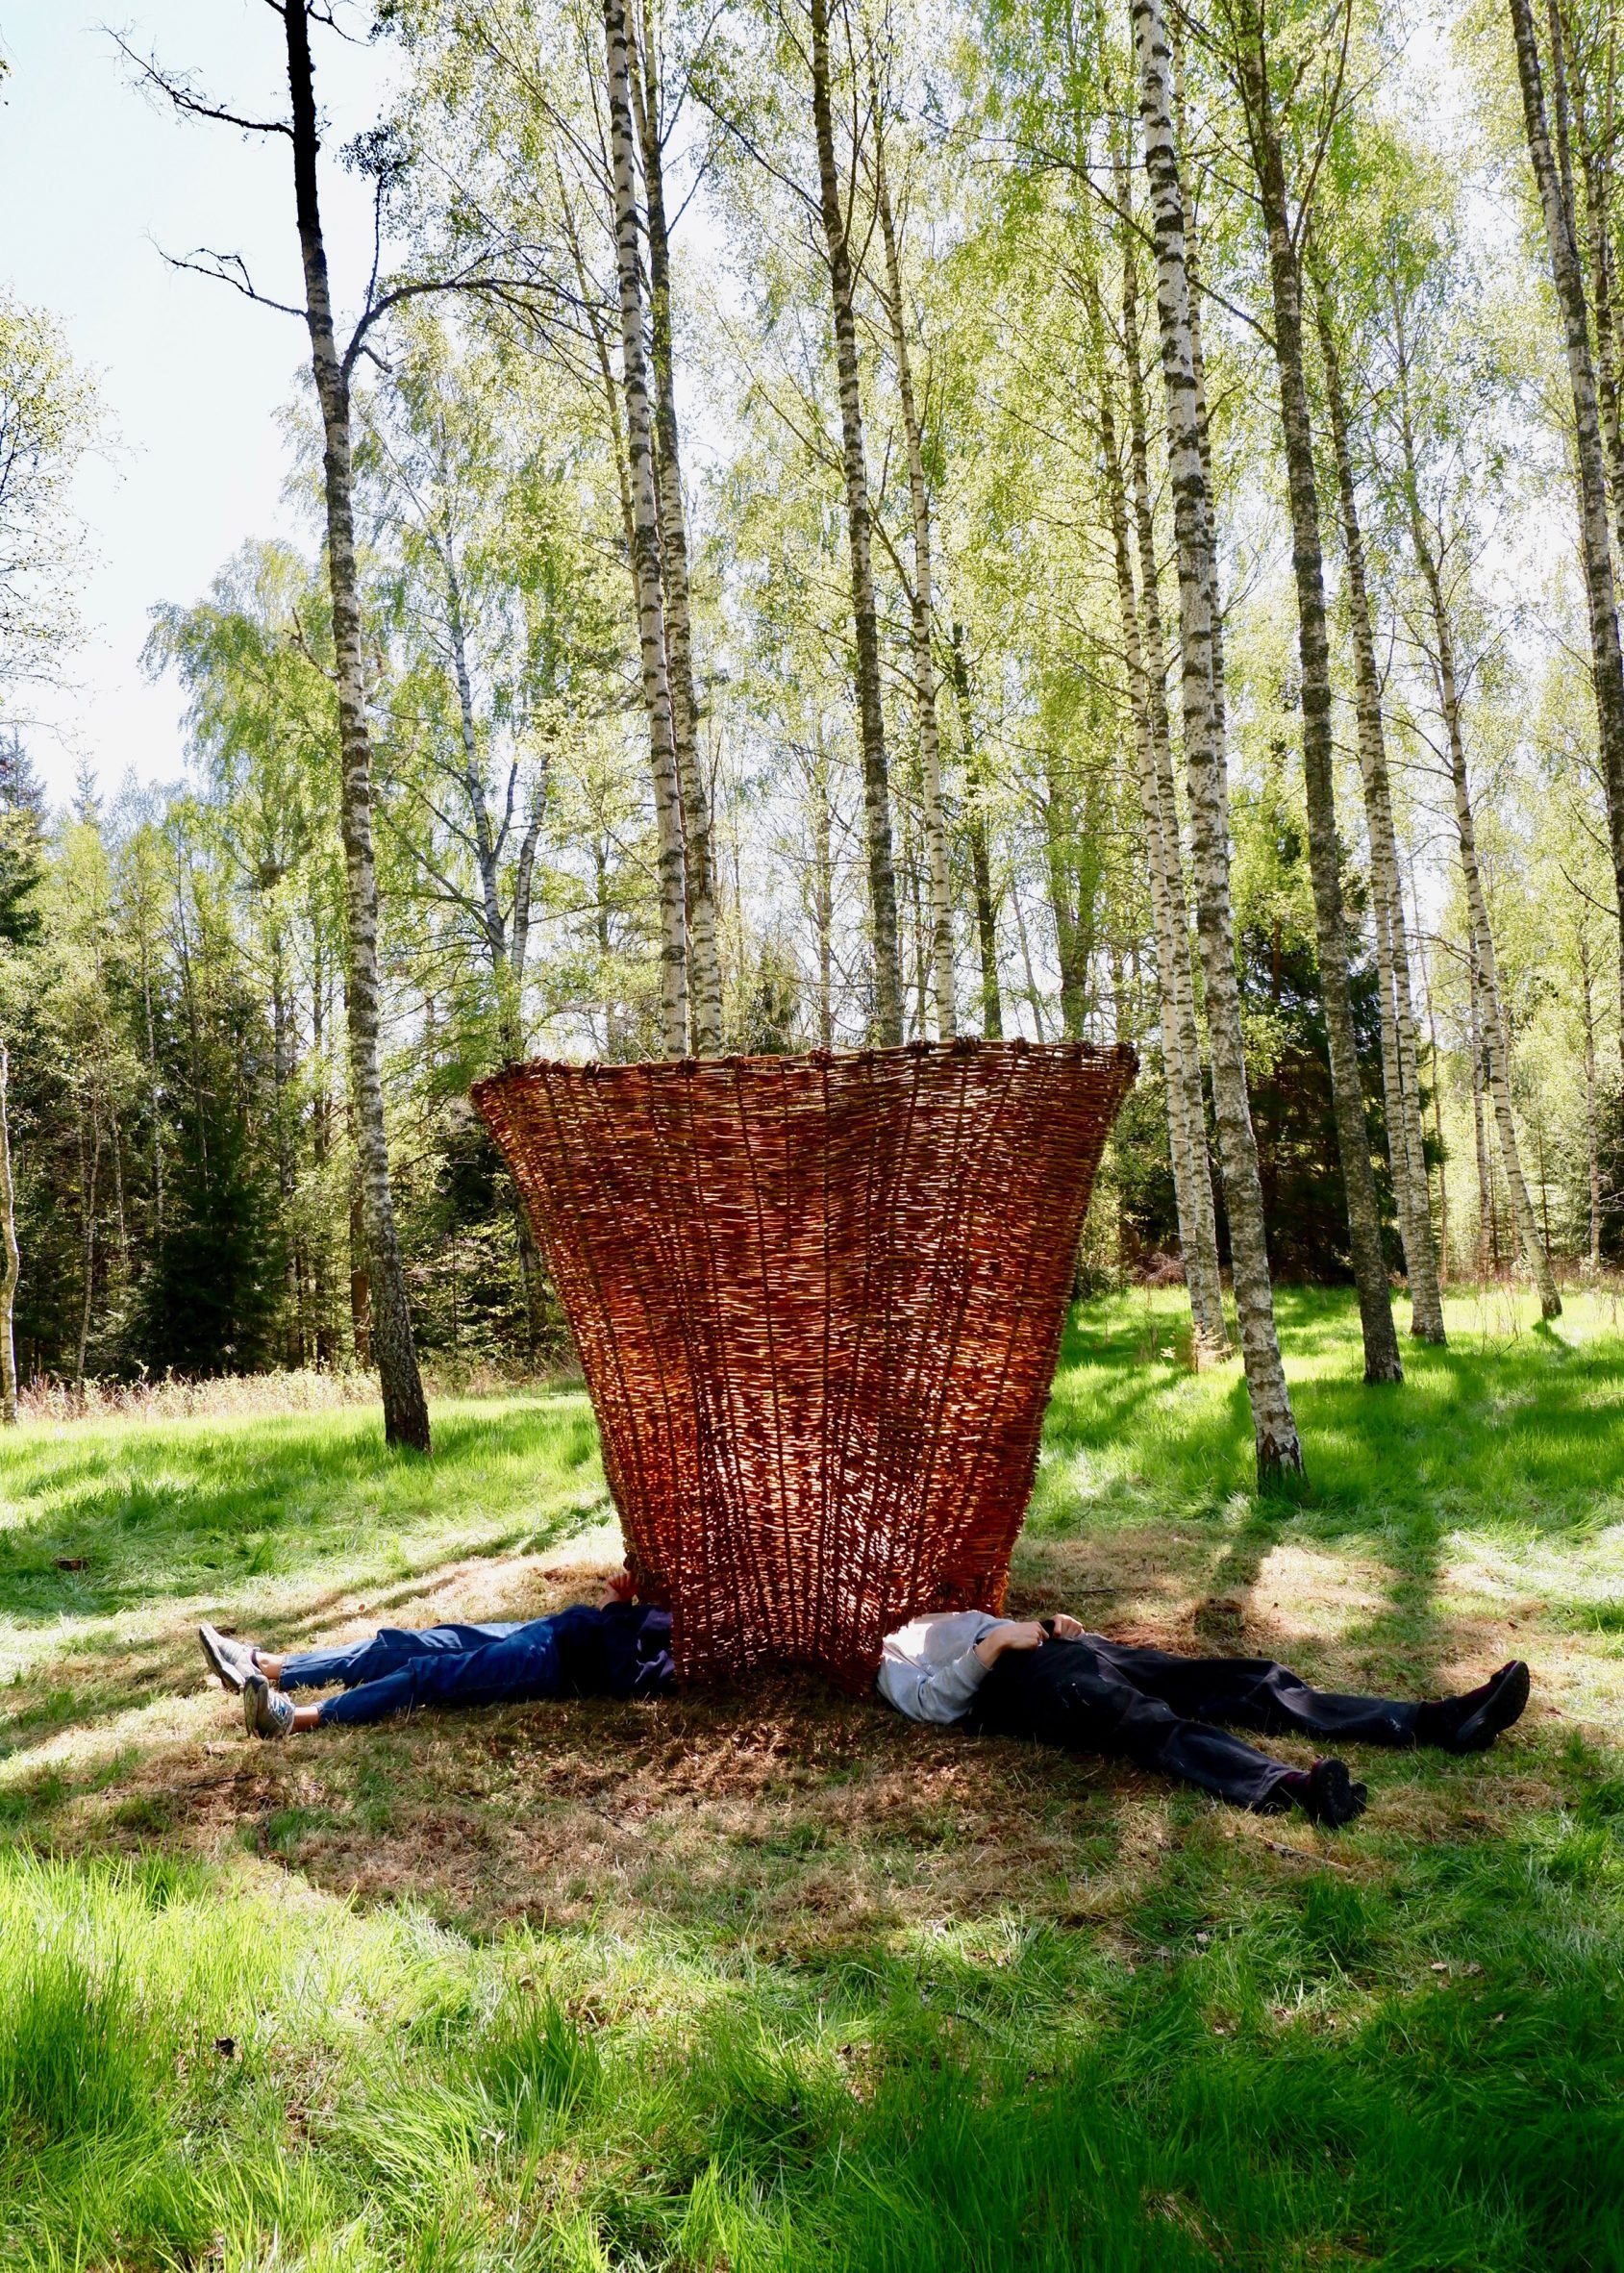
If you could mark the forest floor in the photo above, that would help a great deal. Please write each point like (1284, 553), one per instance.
(776, 1980)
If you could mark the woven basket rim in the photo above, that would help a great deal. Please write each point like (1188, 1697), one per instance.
(1015, 1047)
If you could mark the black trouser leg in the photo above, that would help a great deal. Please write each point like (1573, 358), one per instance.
(1253, 1693)
(1065, 1693)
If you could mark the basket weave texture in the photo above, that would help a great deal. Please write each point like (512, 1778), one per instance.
(818, 1301)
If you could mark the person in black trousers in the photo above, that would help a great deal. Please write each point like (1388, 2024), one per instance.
(1051, 1682)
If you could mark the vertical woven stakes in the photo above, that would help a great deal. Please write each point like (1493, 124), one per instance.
(818, 1302)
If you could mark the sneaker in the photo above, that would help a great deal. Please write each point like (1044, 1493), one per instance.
(231, 1660)
(266, 1711)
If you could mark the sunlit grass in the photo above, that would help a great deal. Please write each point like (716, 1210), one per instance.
(775, 1981)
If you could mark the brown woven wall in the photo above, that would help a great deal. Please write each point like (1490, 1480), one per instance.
(818, 1301)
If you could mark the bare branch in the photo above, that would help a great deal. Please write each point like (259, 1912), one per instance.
(230, 268)
(179, 92)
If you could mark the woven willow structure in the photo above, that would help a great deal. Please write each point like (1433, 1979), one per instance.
(818, 1301)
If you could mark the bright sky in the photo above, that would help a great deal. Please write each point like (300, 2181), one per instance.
(93, 179)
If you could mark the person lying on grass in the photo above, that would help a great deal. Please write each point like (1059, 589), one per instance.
(616, 1648)
(1049, 1681)
(1045, 1680)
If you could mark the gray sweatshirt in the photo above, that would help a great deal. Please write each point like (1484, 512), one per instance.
(929, 1670)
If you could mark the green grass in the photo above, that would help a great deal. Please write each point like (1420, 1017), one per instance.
(774, 1980)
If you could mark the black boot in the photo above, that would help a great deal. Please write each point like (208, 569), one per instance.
(1326, 1793)
(1472, 1722)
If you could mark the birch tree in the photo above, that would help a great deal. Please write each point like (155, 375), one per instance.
(1251, 56)
(646, 546)
(1494, 1035)
(921, 597)
(1557, 211)
(1278, 1450)
(976, 801)
(705, 970)
(835, 207)
(1400, 1069)
(1146, 669)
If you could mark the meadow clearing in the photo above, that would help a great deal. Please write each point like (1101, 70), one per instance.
(769, 1978)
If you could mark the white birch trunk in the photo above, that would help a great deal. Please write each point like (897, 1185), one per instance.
(1201, 1254)
(1495, 1035)
(1382, 1360)
(13, 1257)
(1274, 1426)
(705, 968)
(1607, 661)
(1400, 1072)
(921, 612)
(405, 1413)
(1592, 1143)
(645, 548)
(876, 781)
(976, 828)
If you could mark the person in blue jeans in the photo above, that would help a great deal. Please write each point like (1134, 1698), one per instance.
(616, 1648)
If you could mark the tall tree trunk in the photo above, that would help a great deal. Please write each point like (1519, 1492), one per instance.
(282, 1083)
(1496, 1034)
(1592, 1143)
(645, 549)
(1606, 662)
(1206, 1288)
(1443, 1264)
(1203, 427)
(1071, 918)
(975, 828)
(823, 889)
(1400, 1071)
(1032, 996)
(705, 968)
(1604, 292)
(13, 1257)
(321, 1145)
(89, 1176)
(1278, 1450)
(406, 1412)
(1382, 1361)
(921, 608)
(153, 1089)
(1479, 1119)
(876, 785)
(1186, 1118)
(505, 954)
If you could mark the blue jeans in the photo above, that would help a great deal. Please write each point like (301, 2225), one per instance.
(619, 1651)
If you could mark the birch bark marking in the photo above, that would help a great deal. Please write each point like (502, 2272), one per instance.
(1202, 1286)
(645, 548)
(1592, 1145)
(405, 1413)
(876, 783)
(14, 1258)
(1606, 662)
(921, 608)
(1274, 1426)
(1382, 1361)
(1495, 1037)
(1400, 1072)
(504, 954)
(705, 968)
(975, 828)
(1204, 1227)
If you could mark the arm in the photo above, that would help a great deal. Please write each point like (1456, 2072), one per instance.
(942, 1694)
